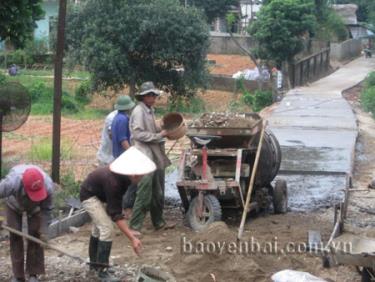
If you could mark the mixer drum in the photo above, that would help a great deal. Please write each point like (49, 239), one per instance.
(270, 159)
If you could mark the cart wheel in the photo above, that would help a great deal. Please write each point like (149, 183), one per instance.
(211, 212)
(280, 196)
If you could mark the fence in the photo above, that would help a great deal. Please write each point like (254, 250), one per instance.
(310, 68)
(346, 50)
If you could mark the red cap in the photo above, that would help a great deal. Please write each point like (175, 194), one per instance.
(33, 182)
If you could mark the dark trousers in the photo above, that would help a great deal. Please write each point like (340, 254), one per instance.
(34, 252)
(129, 197)
(150, 197)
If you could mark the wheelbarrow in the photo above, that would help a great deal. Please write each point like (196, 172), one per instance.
(359, 251)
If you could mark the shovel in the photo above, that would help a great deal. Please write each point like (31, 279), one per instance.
(49, 246)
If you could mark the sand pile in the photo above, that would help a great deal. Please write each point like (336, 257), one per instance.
(224, 119)
(206, 254)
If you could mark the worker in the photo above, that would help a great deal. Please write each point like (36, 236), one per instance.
(148, 137)
(27, 188)
(121, 141)
(120, 125)
(101, 193)
(104, 154)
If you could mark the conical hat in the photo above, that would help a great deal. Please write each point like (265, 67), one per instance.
(132, 162)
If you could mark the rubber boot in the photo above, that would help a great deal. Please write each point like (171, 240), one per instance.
(93, 251)
(104, 250)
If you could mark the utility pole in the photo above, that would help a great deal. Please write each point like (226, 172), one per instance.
(56, 131)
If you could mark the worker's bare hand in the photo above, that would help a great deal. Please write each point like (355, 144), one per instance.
(137, 246)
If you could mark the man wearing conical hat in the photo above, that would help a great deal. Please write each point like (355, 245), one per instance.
(101, 196)
(148, 137)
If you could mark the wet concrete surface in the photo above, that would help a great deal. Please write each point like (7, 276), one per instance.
(171, 193)
(317, 131)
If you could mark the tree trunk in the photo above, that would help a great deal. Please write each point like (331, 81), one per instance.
(285, 72)
(132, 88)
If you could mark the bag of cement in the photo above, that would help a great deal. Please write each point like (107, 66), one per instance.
(288, 275)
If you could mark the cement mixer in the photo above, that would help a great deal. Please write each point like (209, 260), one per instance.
(214, 173)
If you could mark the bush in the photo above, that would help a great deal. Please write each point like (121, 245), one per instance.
(40, 92)
(262, 99)
(370, 80)
(83, 91)
(19, 57)
(332, 27)
(257, 101)
(42, 100)
(368, 100)
(3, 78)
(68, 104)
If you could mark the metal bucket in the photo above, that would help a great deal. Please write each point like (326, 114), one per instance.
(150, 274)
(175, 126)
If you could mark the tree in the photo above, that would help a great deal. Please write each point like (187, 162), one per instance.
(128, 42)
(366, 9)
(281, 27)
(17, 20)
(214, 8)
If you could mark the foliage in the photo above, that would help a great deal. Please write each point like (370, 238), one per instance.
(368, 100)
(35, 51)
(370, 80)
(3, 78)
(193, 105)
(214, 8)
(17, 20)
(129, 42)
(42, 100)
(83, 91)
(257, 100)
(366, 9)
(368, 94)
(331, 26)
(281, 27)
(69, 188)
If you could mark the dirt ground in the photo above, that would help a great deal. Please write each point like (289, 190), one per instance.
(179, 250)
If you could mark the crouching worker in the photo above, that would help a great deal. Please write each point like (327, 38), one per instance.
(27, 188)
(101, 196)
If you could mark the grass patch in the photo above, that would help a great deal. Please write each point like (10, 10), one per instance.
(89, 113)
(69, 188)
(368, 94)
(41, 150)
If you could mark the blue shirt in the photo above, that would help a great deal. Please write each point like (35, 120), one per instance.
(120, 132)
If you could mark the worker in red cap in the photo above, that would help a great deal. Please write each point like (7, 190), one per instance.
(27, 188)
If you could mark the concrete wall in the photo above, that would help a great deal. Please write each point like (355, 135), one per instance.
(227, 83)
(221, 43)
(346, 50)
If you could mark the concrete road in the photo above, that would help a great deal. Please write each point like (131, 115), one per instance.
(317, 132)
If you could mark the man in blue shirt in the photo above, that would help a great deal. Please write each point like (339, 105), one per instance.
(120, 126)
